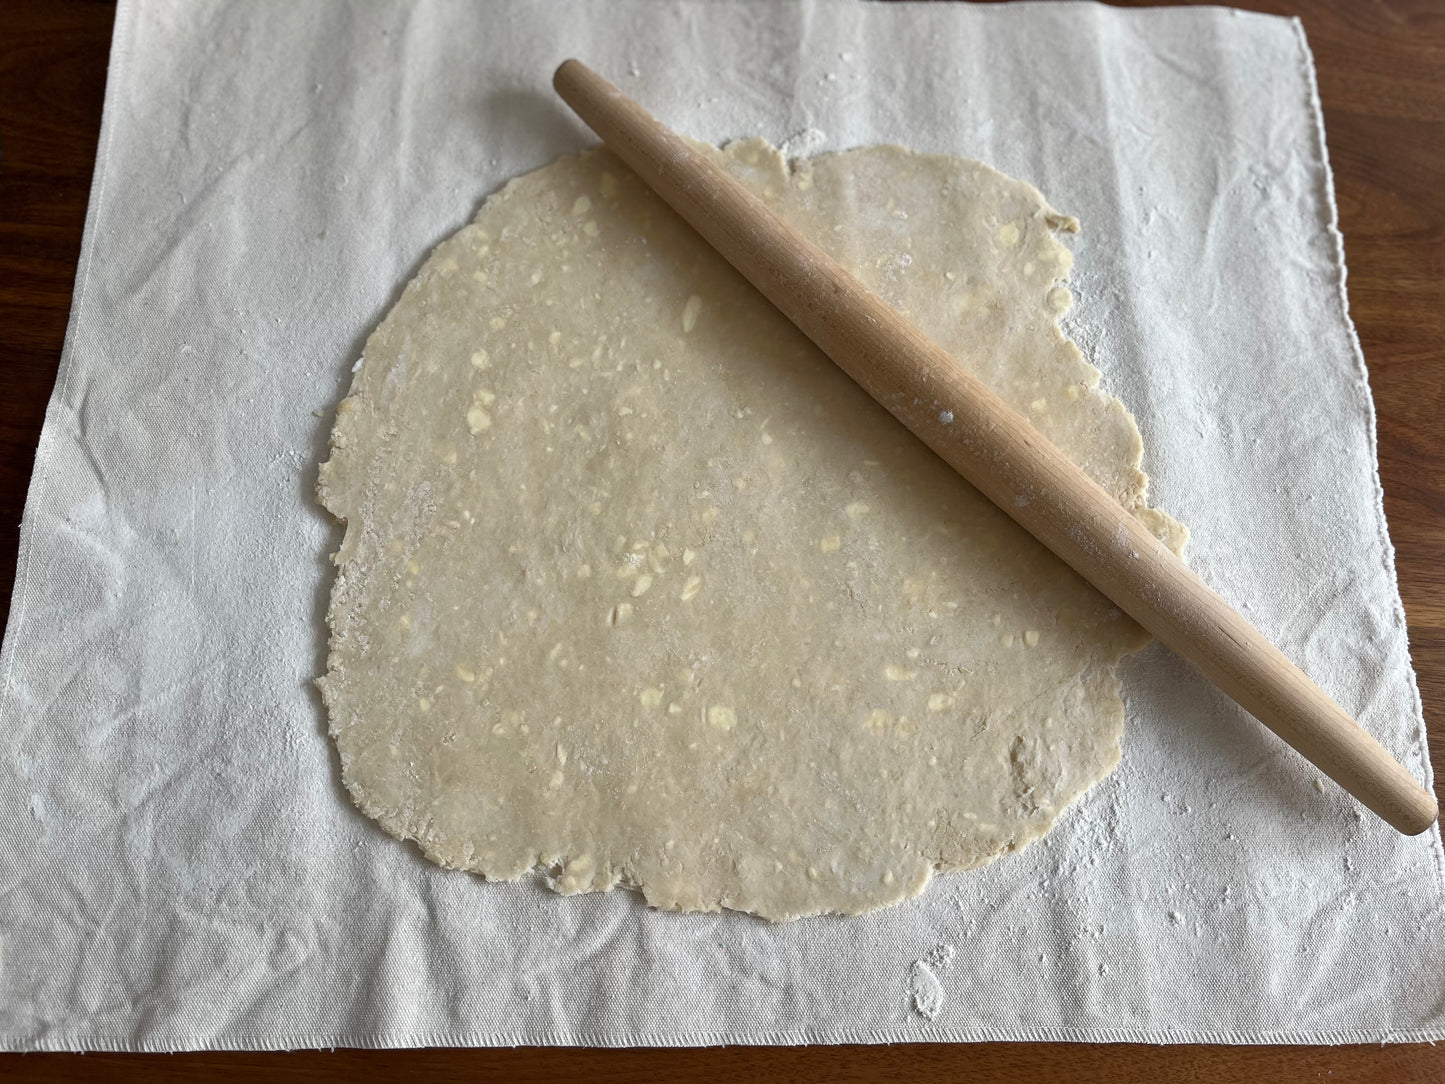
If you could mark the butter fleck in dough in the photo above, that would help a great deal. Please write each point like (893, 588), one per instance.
(638, 588)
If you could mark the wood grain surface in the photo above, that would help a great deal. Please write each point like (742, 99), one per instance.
(1382, 80)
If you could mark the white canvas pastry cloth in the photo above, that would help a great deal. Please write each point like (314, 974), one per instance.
(178, 864)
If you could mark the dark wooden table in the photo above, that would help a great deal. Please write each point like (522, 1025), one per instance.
(1382, 80)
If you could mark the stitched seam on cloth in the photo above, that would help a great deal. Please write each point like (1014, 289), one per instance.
(794, 1037)
(1367, 399)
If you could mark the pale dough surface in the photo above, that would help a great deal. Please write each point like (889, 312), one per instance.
(637, 587)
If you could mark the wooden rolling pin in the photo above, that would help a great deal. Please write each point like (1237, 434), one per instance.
(997, 450)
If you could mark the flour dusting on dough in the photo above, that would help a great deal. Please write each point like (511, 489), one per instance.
(638, 589)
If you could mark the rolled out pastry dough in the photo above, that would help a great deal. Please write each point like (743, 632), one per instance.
(637, 587)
